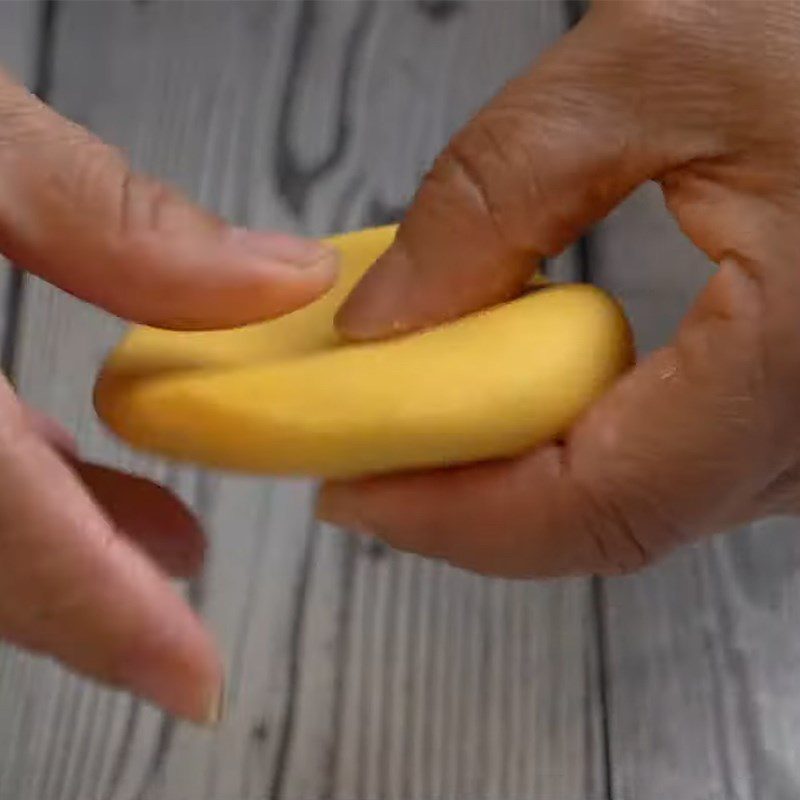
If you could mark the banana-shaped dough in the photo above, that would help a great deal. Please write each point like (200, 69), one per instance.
(287, 397)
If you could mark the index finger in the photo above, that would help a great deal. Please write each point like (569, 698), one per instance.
(73, 212)
(73, 588)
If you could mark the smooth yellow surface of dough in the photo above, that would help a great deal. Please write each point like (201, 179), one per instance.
(287, 397)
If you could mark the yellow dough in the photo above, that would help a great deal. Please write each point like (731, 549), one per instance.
(287, 397)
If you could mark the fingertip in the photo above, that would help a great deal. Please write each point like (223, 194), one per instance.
(244, 278)
(86, 596)
(423, 281)
(380, 305)
(290, 265)
(183, 674)
(216, 708)
(290, 286)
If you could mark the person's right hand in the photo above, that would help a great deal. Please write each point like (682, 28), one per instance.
(704, 434)
(81, 545)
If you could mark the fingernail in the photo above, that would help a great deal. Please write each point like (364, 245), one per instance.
(198, 698)
(293, 251)
(216, 708)
(381, 305)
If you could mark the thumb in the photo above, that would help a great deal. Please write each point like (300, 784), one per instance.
(72, 212)
(555, 151)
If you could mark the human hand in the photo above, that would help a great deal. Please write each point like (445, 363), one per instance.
(704, 433)
(82, 546)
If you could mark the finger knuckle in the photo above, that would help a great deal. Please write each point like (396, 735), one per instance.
(668, 16)
(143, 207)
(621, 542)
(470, 171)
(503, 165)
(534, 164)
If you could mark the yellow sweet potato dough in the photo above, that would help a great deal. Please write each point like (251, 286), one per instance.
(287, 397)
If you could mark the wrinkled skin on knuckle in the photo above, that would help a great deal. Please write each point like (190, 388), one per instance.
(466, 181)
(618, 517)
(675, 17)
(452, 223)
(86, 171)
(534, 525)
(147, 209)
(695, 92)
(486, 163)
(532, 164)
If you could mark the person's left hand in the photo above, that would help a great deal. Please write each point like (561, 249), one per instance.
(84, 549)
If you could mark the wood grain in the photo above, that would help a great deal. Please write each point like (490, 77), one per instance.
(23, 35)
(20, 28)
(353, 672)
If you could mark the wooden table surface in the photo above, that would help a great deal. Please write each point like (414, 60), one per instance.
(356, 673)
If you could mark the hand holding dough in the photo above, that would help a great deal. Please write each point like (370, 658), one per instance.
(288, 397)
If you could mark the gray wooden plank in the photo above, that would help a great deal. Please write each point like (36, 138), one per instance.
(702, 651)
(19, 37)
(21, 24)
(353, 672)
